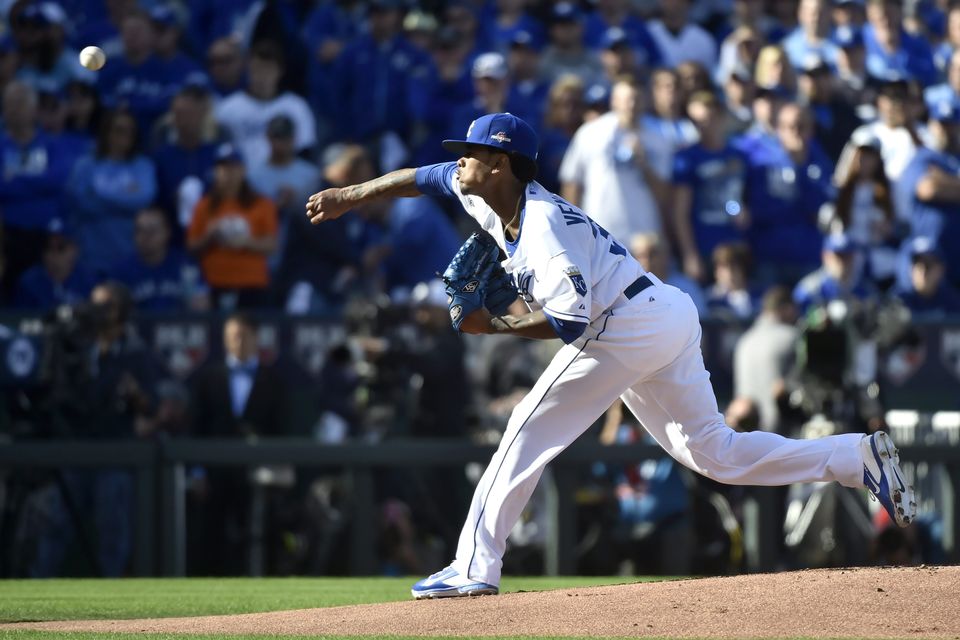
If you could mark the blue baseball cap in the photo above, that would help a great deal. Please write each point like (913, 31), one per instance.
(614, 37)
(847, 37)
(923, 246)
(523, 38)
(565, 12)
(226, 152)
(501, 131)
(164, 15)
(839, 243)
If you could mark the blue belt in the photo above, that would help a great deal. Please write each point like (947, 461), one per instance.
(637, 286)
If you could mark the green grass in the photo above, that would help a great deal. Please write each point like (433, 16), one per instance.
(35, 600)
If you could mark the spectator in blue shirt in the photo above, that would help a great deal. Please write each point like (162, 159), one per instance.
(106, 190)
(45, 59)
(137, 80)
(510, 20)
(787, 183)
(708, 194)
(327, 30)
(928, 292)
(948, 91)
(812, 35)
(184, 155)
(59, 278)
(31, 184)
(893, 51)
(177, 66)
(52, 118)
(834, 118)
(933, 181)
(528, 89)
(730, 295)
(490, 88)
(616, 13)
(160, 278)
(565, 108)
(382, 80)
(839, 278)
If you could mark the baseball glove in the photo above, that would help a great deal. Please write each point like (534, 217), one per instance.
(474, 278)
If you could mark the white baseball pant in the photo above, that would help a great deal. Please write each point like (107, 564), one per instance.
(646, 351)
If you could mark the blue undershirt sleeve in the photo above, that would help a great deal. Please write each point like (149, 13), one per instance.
(567, 330)
(437, 179)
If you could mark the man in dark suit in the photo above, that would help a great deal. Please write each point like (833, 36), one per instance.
(237, 397)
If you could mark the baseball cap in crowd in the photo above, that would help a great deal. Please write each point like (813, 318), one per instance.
(947, 111)
(60, 227)
(523, 38)
(44, 14)
(924, 247)
(503, 132)
(164, 15)
(565, 12)
(195, 83)
(420, 21)
(839, 243)
(847, 37)
(892, 84)
(864, 137)
(226, 152)
(597, 95)
(613, 38)
(490, 65)
(280, 126)
(446, 38)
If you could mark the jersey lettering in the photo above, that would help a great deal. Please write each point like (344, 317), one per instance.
(572, 216)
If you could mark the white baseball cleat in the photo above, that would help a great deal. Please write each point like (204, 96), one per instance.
(882, 475)
(448, 583)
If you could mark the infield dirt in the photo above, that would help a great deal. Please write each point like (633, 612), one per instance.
(916, 602)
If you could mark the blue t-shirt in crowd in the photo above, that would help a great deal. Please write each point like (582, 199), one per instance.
(819, 288)
(31, 186)
(553, 146)
(783, 200)
(329, 21)
(423, 241)
(381, 87)
(175, 164)
(105, 195)
(716, 179)
(798, 49)
(527, 100)
(167, 286)
(913, 59)
(37, 290)
(946, 299)
(646, 49)
(145, 90)
(501, 36)
(938, 220)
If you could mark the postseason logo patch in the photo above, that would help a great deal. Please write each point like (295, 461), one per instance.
(577, 279)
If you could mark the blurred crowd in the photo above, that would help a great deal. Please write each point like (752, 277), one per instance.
(769, 157)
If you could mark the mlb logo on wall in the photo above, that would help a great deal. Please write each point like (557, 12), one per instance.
(577, 279)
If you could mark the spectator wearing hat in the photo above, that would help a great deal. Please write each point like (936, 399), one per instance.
(107, 188)
(52, 114)
(812, 35)
(617, 56)
(863, 208)
(286, 179)
(679, 40)
(60, 278)
(136, 80)
(708, 206)
(31, 185)
(833, 117)
(224, 66)
(891, 50)
(787, 183)
(168, 32)
(840, 276)
(565, 52)
(948, 91)
(511, 18)
(185, 148)
(928, 293)
(565, 109)
(932, 180)
(491, 85)
(528, 89)
(233, 232)
(245, 113)
(609, 172)
(848, 13)
(851, 71)
(45, 58)
(159, 276)
(617, 13)
(382, 81)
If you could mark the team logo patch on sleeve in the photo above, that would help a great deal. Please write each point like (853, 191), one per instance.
(577, 279)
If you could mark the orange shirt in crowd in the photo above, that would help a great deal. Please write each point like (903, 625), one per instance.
(225, 267)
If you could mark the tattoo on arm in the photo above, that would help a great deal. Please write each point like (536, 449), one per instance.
(401, 183)
(530, 325)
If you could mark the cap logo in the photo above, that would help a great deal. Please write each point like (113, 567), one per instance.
(500, 137)
(470, 128)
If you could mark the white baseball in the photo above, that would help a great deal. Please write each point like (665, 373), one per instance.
(93, 58)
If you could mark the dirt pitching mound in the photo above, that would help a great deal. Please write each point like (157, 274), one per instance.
(843, 603)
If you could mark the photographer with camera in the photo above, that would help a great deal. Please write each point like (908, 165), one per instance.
(113, 397)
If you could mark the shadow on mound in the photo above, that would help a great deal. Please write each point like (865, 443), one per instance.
(838, 603)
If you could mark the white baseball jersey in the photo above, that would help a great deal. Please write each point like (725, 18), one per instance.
(562, 262)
